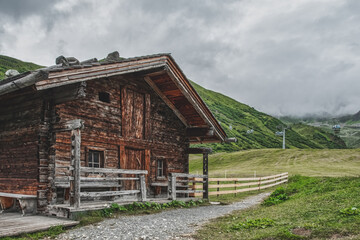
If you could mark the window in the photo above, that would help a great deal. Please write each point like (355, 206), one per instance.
(160, 168)
(96, 159)
(104, 97)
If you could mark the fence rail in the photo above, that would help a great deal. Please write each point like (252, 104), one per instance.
(105, 178)
(182, 180)
(221, 186)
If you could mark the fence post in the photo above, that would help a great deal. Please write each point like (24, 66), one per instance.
(259, 183)
(235, 187)
(172, 187)
(218, 189)
(142, 188)
(206, 173)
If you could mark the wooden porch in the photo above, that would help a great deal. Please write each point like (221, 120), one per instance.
(13, 224)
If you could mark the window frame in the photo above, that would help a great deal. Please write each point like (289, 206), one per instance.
(163, 168)
(102, 156)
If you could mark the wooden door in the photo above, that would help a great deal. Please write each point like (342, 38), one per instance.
(134, 159)
(133, 114)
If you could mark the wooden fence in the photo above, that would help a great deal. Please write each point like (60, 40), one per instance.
(179, 184)
(106, 178)
(220, 186)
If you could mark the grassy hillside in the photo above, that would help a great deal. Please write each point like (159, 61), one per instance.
(320, 136)
(350, 126)
(308, 162)
(7, 63)
(237, 118)
(309, 208)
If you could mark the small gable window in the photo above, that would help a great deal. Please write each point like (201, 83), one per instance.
(95, 159)
(104, 97)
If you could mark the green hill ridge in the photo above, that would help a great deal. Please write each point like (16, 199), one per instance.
(236, 119)
(7, 63)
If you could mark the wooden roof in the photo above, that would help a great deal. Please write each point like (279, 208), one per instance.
(162, 73)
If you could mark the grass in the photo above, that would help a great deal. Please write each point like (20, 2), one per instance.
(315, 208)
(309, 162)
(51, 233)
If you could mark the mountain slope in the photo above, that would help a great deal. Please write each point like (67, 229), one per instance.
(320, 136)
(237, 118)
(7, 63)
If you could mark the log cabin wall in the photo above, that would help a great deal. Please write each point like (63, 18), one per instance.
(20, 141)
(134, 125)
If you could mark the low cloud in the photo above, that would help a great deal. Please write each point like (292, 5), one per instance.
(281, 57)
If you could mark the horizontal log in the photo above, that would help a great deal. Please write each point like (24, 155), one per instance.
(110, 170)
(199, 132)
(245, 184)
(190, 181)
(108, 193)
(17, 196)
(198, 150)
(23, 82)
(190, 191)
(188, 175)
(274, 184)
(90, 179)
(245, 179)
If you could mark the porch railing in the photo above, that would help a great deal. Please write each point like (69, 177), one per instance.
(179, 184)
(105, 178)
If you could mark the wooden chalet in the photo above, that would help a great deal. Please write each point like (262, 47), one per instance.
(99, 130)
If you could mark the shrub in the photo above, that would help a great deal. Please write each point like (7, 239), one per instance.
(278, 196)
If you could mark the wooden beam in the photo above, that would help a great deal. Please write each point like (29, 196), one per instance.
(166, 100)
(23, 82)
(199, 132)
(70, 125)
(198, 150)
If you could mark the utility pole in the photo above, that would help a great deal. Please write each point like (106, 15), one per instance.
(282, 133)
(284, 138)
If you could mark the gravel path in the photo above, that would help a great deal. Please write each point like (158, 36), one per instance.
(172, 224)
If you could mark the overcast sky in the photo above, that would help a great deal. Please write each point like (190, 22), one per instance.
(281, 57)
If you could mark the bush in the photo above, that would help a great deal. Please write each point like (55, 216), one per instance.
(278, 196)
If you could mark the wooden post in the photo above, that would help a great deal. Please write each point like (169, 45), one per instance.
(259, 183)
(75, 162)
(206, 172)
(218, 189)
(235, 187)
(172, 187)
(142, 188)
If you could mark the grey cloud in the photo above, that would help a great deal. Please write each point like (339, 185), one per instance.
(282, 57)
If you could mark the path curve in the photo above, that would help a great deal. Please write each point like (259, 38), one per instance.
(172, 224)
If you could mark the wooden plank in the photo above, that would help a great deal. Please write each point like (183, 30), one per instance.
(190, 191)
(76, 144)
(245, 184)
(188, 175)
(108, 193)
(18, 196)
(142, 188)
(245, 179)
(274, 184)
(110, 170)
(107, 179)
